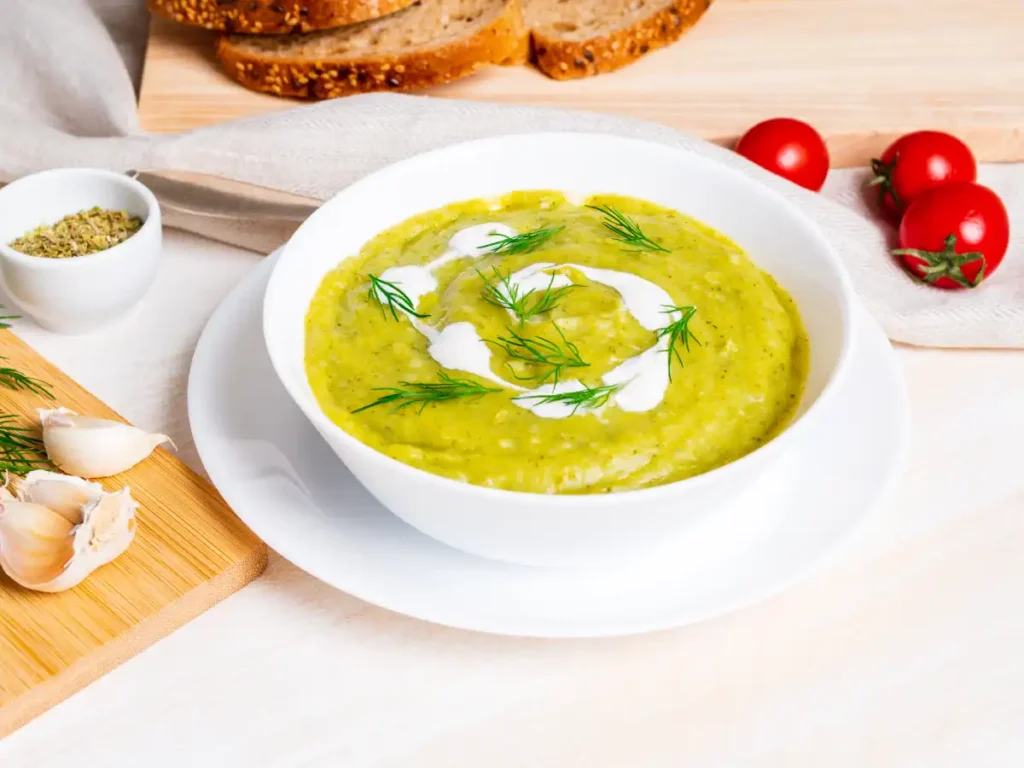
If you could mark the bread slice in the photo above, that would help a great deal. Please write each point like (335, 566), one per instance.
(577, 38)
(274, 16)
(431, 42)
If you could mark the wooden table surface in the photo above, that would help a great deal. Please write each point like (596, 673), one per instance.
(907, 652)
(861, 71)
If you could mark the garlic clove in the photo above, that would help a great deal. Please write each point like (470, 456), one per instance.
(106, 532)
(29, 572)
(44, 551)
(66, 495)
(20, 518)
(36, 544)
(91, 447)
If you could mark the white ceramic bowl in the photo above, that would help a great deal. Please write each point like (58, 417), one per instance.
(540, 529)
(80, 294)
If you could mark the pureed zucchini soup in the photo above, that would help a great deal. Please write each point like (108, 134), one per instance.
(533, 344)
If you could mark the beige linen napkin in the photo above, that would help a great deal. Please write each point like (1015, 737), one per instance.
(67, 99)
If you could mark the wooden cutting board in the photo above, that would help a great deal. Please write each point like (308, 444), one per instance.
(862, 71)
(190, 552)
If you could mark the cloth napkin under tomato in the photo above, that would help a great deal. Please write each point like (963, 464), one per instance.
(67, 98)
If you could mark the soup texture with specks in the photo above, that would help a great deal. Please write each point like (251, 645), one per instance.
(648, 361)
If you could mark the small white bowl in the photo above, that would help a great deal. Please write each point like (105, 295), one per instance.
(541, 529)
(83, 293)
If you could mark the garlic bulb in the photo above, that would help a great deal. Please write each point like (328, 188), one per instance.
(51, 551)
(91, 447)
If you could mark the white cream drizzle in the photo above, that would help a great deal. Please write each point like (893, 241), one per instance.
(460, 348)
(643, 378)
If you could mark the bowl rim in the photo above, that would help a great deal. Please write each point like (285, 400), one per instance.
(766, 452)
(143, 192)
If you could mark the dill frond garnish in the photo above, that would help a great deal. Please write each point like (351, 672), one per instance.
(537, 350)
(12, 378)
(504, 294)
(549, 299)
(625, 230)
(588, 398)
(20, 450)
(678, 333)
(524, 243)
(390, 297)
(426, 392)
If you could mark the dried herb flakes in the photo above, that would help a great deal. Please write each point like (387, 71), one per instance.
(79, 234)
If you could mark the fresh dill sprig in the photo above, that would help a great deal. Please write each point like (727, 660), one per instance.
(12, 378)
(5, 318)
(505, 294)
(543, 352)
(589, 398)
(20, 450)
(678, 332)
(549, 299)
(427, 392)
(390, 297)
(625, 230)
(524, 243)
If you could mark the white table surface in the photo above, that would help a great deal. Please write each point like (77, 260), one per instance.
(907, 652)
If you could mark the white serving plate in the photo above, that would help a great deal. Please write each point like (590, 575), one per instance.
(566, 529)
(284, 481)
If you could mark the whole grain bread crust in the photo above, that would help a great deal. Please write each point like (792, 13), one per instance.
(268, 17)
(502, 41)
(563, 59)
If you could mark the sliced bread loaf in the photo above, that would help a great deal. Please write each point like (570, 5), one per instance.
(431, 42)
(577, 38)
(266, 17)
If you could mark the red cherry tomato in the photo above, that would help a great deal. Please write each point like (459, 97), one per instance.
(917, 162)
(954, 236)
(789, 148)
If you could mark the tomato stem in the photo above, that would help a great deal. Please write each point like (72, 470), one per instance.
(946, 263)
(883, 180)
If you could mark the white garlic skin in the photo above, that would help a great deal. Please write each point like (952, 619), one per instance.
(112, 523)
(48, 552)
(89, 447)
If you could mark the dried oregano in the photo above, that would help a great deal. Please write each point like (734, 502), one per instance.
(78, 234)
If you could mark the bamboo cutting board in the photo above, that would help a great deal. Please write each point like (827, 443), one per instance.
(861, 71)
(190, 552)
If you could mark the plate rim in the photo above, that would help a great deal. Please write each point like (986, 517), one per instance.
(592, 629)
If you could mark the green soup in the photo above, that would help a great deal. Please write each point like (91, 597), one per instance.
(556, 407)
